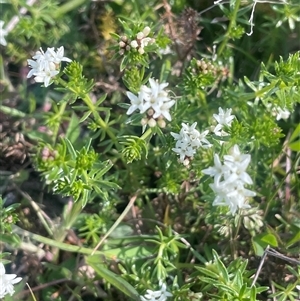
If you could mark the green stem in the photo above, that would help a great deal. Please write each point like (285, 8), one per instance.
(117, 222)
(58, 117)
(70, 216)
(98, 119)
(70, 5)
(146, 134)
(230, 26)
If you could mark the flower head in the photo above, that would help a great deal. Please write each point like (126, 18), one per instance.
(224, 118)
(160, 295)
(7, 282)
(229, 180)
(188, 141)
(153, 99)
(3, 33)
(45, 65)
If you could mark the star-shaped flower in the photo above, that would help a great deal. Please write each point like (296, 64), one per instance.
(7, 282)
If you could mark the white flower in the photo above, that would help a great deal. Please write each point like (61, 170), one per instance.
(229, 180)
(163, 109)
(3, 33)
(224, 119)
(160, 295)
(153, 97)
(145, 42)
(7, 282)
(142, 40)
(282, 113)
(216, 171)
(137, 102)
(57, 57)
(188, 141)
(45, 76)
(45, 65)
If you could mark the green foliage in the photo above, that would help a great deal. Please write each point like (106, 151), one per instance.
(231, 283)
(129, 194)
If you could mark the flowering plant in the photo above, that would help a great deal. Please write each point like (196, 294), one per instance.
(149, 151)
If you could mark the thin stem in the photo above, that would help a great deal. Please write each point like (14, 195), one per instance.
(98, 119)
(230, 26)
(117, 222)
(58, 116)
(146, 134)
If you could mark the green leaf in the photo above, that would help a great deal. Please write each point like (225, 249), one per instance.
(270, 239)
(294, 240)
(85, 116)
(295, 146)
(10, 239)
(12, 112)
(296, 133)
(124, 63)
(261, 241)
(207, 272)
(70, 148)
(114, 279)
(221, 267)
(253, 293)
(73, 130)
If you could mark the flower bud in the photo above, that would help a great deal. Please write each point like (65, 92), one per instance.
(161, 123)
(124, 39)
(140, 35)
(141, 50)
(122, 44)
(152, 123)
(146, 31)
(134, 44)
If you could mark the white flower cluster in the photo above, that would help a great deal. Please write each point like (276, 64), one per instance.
(154, 100)
(188, 141)
(229, 180)
(160, 295)
(7, 282)
(46, 65)
(3, 33)
(224, 118)
(142, 40)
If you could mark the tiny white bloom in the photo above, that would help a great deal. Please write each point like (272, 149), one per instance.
(229, 180)
(3, 33)
(145, 42)
(163, 109)
(154, 100)
(282, 113)
(137, 102)
(160, 295)
(7, 282)
(188, 141)
(45, 65)
(45, 76)
(58, 56)
(224, 118)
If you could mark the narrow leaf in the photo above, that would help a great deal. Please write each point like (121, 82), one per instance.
(114, 279)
